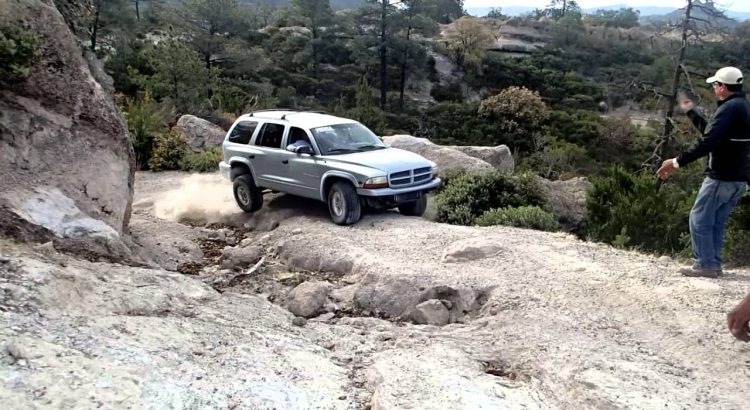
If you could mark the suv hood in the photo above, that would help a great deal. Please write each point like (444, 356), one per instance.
(388, 160)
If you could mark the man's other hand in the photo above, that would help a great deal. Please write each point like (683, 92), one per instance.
(667, 169)
(686, 104)
(738, 320)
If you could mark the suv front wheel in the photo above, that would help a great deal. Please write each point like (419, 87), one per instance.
(248, 196)
(344, 204)
(415, 208)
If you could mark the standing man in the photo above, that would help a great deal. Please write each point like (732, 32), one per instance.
(726, 142)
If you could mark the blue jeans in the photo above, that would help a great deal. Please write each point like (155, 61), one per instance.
(708, 218)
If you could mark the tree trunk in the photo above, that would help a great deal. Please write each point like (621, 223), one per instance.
(672, 97)
(315, 51)
(137, 10)
(95, 29)
(403, 70)
(383, 60)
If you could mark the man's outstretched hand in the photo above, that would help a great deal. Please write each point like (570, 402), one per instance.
(686, 104)
(738, 320)
(667, 169)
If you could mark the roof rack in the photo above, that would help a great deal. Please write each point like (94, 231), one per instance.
(283, 117)
(269, 110)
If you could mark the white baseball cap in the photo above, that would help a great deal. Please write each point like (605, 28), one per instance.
(726, 75)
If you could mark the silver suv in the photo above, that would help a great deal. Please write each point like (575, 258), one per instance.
(331, 159)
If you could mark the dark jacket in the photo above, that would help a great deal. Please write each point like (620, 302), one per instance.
(726, 140)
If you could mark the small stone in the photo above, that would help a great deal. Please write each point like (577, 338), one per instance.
(342, 397)
(297, 231)
(47, 248)
(447, 303)
(323, 318)
(308, 298)
(330, 345)
(231, 241)
(246, 242)
(16, 351)
(299, 321)
(431, 312)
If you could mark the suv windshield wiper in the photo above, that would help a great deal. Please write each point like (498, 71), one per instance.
(370, 147)
(342, 151)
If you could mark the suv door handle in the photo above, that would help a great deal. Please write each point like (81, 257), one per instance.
(251, 156)
(285, 161)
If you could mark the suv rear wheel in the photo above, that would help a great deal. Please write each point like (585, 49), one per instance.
(343, 204)
(415, 208)
(248, 196)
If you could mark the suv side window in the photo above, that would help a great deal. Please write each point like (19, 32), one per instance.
(270, 135)
(243, 132)
(297, 134)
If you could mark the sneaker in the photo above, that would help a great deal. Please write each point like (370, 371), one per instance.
(695, 271)
(719, 271)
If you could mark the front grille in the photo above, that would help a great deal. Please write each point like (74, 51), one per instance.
(411, 177)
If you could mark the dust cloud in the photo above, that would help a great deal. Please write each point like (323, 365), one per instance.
(200, 199)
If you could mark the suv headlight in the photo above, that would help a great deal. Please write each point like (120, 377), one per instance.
(434, 172)
(376, 182)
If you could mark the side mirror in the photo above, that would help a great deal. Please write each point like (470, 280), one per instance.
(300, 148)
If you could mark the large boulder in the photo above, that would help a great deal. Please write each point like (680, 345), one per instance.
(199, 133)
(65, 155)
(308, 298)
(445, 157)
(568, 200)
(498, 156)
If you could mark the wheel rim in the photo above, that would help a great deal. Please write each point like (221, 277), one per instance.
(243, 195)
(337, 203)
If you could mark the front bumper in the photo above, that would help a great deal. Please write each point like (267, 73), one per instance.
(226, 170)
(432, 185)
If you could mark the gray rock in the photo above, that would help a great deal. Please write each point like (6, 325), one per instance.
(308, 298)
(239, 257)
(431, 312)
(199, 133)
(299, 321)
(499, 156)
(567, 200)
(246, 242)
(446, 158)
(61, 129)
(470, 250)
(297, 254)
(389, 296)
(17, 351)
(323, 318)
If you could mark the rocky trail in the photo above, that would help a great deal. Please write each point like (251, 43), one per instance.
(391, 313)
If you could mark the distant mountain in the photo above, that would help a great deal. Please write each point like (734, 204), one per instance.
(645, 11)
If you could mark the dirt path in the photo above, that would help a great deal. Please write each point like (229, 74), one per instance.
(539, 320)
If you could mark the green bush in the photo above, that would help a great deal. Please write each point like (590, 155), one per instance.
(738, 234)
(532, 217)
(630, 210)
(18, 51)
(467, 195)
(204, 161)
(169, 150)
(145, 122)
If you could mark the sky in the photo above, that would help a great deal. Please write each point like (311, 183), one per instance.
(736, 5)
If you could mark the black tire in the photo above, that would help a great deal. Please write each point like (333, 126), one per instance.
(248, 196)
(415, 208)
(344, 204)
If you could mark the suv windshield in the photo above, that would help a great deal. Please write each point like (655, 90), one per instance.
(345, 138)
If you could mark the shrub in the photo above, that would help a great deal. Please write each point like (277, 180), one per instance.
(18, 51)
(631, 210)
(738, 234)
(145, 122)
(204, 161)
(532, 217)
(468, 195)
(169, 150)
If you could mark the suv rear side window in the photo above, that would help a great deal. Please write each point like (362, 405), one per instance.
(243, 132)
(270, 135)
